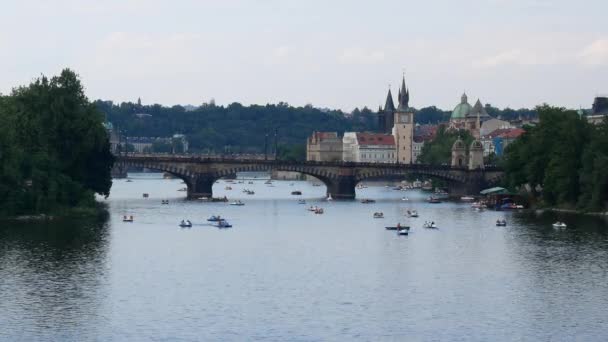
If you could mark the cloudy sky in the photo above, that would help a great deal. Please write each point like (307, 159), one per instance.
(330, 53)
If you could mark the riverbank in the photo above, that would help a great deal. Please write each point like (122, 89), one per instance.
(573, 211)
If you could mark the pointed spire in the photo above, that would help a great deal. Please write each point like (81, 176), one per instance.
(389, 106)
(464, 98)
(404, 98)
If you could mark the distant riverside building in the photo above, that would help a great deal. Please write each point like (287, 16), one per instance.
(471, 159)
(417, 146)
(141, 144)
(324, 146)
(493, 124)
(599, 110)
(470, 118)
(422, 135)
(366, 147)
(113, 136)
(496, 141)
(146, 144)
(403, 127)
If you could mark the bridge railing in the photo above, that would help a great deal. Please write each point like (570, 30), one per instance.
(257, 159)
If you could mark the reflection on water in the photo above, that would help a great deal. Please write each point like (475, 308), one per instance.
(283, 273)
(51, 277)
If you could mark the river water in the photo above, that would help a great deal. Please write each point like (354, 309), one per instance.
(283, 273)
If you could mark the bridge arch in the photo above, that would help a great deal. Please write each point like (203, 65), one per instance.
(340, 178)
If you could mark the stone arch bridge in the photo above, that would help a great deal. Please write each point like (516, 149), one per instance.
(340, 178)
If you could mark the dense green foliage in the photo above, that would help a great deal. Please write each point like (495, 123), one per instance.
(562, 160)
(439, 151)
(236, 128)
(243, 129)
(54, 150)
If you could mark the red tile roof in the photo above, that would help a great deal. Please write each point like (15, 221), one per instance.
(375, 139)
(509, 133)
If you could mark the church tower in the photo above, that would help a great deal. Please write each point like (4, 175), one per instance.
(385, 117)
(403, 129)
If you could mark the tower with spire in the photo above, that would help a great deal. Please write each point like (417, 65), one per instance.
(385, 116)
(403, 126)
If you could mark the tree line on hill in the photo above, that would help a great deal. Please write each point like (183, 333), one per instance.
(247, 129)
(562, 161)
(54, 150)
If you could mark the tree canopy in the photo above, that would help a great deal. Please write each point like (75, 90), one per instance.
(439, 150)
(54, 150)
(561, 160)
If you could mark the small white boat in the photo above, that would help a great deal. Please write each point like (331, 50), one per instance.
(559, 224)
(412, 213)
(430, 225)
(319, 211)
(403, 232)
(501, 223)
(405, 199)
(301, 201)
(329, 198)
(185, 224)
(378, 215)
(126, 218)
(467, 198)
(238, 203)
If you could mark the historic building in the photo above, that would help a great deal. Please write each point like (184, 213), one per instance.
(324, 146)
(471, 159)
(599, 110)
(403, 128)
(399, 122)
(368, 147)
(470, 118)
(386, 115)
(499, 139)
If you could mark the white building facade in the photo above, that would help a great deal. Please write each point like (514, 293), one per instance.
(369, 147)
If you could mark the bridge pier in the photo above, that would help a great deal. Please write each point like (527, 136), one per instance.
(471, 187)
(200, 186)
(342, 188)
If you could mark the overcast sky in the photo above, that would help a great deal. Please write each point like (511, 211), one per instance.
(337, 54)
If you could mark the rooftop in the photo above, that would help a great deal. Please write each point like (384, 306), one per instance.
(375, 139)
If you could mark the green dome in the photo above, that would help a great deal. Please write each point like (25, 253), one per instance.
(462, 109)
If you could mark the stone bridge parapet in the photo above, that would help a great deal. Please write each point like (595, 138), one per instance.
(200, 172)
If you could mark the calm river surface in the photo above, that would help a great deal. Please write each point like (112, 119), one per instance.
(283, 273)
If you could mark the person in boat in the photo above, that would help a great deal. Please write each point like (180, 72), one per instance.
(183, 223)
(188, 222)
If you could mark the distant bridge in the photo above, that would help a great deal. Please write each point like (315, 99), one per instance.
(200, 173)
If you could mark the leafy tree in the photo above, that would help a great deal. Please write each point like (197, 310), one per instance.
(54, 149)
(565, 156)
(439, 151)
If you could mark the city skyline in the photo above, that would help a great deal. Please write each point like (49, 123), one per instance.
(340, 55)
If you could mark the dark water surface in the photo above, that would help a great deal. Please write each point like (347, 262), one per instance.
(283, 273)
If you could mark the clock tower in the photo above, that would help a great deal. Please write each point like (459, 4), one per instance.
(403, 129)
